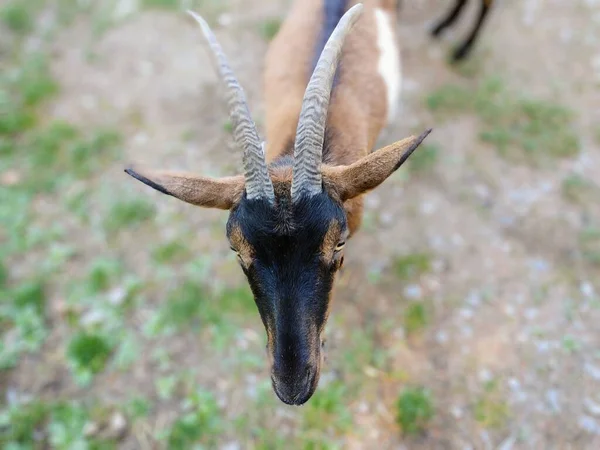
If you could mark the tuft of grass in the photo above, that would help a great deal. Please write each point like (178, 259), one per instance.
(415, 410)
(269, 28)
(540, 128)
(169, 252)
(424, 159)
(161, 4)
(491, 411)
(415, 318)
(411, 266)
(17, 16)
(200, 422)
(589, 243)
(57, 425)
(128, 213)
(21, 91)
(103, 272)
(87, 354)
(576, 188)
(324, 415)
(22, 322)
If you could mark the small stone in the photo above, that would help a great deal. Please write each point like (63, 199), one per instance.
(225, 20)
(592, 406)
(587, 289)
(413, 291)
(117, 426)
(552, 399)
(592, 370)
(588, 424)
(90, 429)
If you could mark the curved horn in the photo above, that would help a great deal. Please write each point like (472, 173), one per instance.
(258, 182)
(310, 134)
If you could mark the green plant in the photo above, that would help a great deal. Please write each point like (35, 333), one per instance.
(17, 15)
(415, 410)
(22, 322)
(491, 411)
(87, 354)
(269, 28)
(199, 422)
(128, 213)
(540, 128)
(415, 318)
(411, 266)
(424, 159)
(575, 188)
(169, 252)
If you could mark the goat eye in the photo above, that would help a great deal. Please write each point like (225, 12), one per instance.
(340, 246)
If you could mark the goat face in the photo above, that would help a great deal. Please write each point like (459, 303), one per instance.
(290, 253)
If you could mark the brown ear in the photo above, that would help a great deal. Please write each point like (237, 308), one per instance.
(372, 170)
(221, 193)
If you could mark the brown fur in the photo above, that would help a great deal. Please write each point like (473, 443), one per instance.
(358, 107)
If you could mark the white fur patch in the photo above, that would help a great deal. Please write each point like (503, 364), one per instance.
(389, 60)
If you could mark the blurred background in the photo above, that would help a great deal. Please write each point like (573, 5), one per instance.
(466, 316)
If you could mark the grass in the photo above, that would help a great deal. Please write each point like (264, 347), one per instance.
(22, 321)
(490, 409)
(589, 244)
(17, 16)
(56, 425)
(414, 410)
(415, 318)
(161, 4)
(199, 422)
(578, 189)
(424, 160)
(22, 90)
(128, 213)
(87, 355)
(170, 252)
(325, 415)
(411, 266)
(269, 28)
(540, 129)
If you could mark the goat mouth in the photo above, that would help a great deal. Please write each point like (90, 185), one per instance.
(302, 395)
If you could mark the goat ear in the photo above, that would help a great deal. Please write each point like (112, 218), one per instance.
(221, 193)
(369, 172)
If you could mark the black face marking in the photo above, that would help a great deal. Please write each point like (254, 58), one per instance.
(291, 282)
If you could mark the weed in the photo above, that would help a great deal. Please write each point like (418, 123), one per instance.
(23, 90)
(59, 425)
(411, 266)
(589, 243)
(103, 272)
(425, 159)
(128, 213)
(17, 16)
(415, 318)
(539, 128)
(491, 411)
(228, 126)
(199, 422)
(87, 354)
(169, 252)
(326, 413)
(165, 386)
(161, 4)
(415, 410)
(269, 28)
(22, 322)
(575, 188)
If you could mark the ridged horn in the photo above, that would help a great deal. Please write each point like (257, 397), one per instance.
(310, 134)
(258, 182)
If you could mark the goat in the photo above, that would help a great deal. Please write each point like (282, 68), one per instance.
(464, 49)
(300, 197)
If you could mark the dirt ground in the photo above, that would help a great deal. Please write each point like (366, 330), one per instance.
(510, 352)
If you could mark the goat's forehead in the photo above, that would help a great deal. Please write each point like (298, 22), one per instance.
(313, 217)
